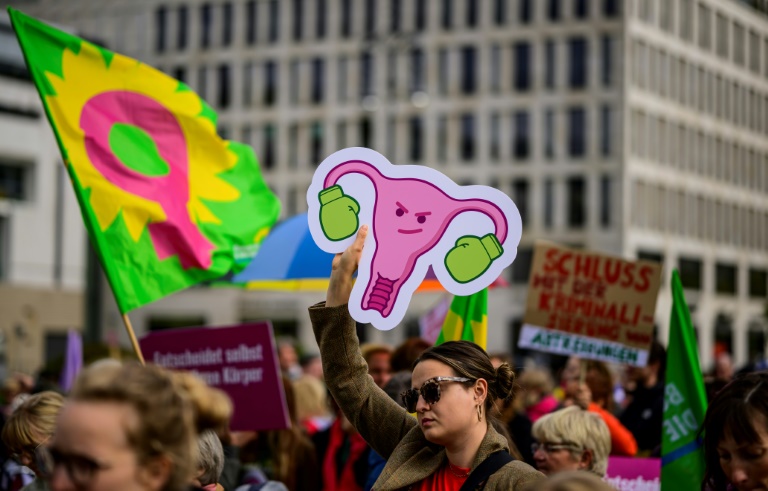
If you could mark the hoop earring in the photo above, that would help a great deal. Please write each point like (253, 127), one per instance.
(479, 413)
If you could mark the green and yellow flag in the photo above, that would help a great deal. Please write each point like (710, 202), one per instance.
(467, 320)
(685, 401)
(166, 201)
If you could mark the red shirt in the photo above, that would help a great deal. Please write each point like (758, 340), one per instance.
(445, 479)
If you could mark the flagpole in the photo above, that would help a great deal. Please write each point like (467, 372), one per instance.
(132, 336)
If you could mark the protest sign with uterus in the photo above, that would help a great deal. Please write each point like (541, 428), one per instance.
(418, 218)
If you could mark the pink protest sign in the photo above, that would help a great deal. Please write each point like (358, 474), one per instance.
(240, 360)
(418, 218)
(631, 474)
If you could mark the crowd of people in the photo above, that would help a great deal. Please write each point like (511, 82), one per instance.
(416, 417)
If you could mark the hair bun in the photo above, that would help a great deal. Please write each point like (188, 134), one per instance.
(505, 382)
(212, 407)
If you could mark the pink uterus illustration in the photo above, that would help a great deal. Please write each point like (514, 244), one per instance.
(410, 217)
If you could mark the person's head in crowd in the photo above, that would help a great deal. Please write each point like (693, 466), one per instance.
(535, 384)
(210, 460)
(571, 439)
(736, 435)
(406, 354)
(312, 365)
(378, 357)
(133, 427)
(288, 358)
(599, 379)
(499, 358)
(31, 426)
(311, 403)
(398, 383)
(653, 373)
(454, 388)
(724, 367)
(572, 481)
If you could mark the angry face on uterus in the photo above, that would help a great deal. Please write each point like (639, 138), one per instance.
(418, 218)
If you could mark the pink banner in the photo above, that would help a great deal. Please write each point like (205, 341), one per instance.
(240, 360)
(631, 474)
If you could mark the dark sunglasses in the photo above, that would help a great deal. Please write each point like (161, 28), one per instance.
(430, 391)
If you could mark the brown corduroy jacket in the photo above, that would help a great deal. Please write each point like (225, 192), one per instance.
(386, 426)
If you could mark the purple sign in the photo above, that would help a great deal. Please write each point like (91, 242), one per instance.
(631, 474)
(240, 360)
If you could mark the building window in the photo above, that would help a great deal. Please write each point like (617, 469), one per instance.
(472, 14)
(420, 13)
(690, 273)
(366, 132)
(223, 97)
(611, 8)
(467, 140)
(704, 27)
(316, 145)
(580, 9)
(251, 21)
(500, 12)
(227, 29)
(549, 205)
(606, 201)
(295, 81)
(269, 156)
(442, 139)
(366, 74)
(181, 26)
(161, 19)
(652, 256)
(346, 18)
(721, 26)
(549, 133)
(578, 65)
(179, 73)
(318, 76)
(468, 69)
(341, 134)
(298, 19)
(202, 82)
(270, 83)
(417, 70)
(605, 130)
(274, 21)
(725, 279)
(521, 267)
(758, 283)
(206, 24)
(606, 73)
(525, 11)
(577, 132)
(321, 16)
(370, 17)
(416, 136)
(293, 146)
(342, 79)
(395, 10)
(520, 197)
(521, 141)
(447, 17)
(553, 10)
(577, 202)
(14, 180)
(4, 246)
(495, 137)
(495, 68)
(521, 66)
(549, 63)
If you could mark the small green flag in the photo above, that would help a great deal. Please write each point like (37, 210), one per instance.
(467, 320)
(685, 401)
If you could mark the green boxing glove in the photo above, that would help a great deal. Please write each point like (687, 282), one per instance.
(338, 213)
(472, 256)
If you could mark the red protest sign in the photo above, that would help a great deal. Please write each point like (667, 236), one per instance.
(240, 360)
(590, 305)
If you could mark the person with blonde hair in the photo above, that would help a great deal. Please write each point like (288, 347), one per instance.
(312, 404)
(132, 427)
(573, 481)
(29, 428)
(571, 439)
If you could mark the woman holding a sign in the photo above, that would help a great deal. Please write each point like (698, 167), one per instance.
(451, 443)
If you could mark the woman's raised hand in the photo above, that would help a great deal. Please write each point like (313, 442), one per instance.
(344, 266)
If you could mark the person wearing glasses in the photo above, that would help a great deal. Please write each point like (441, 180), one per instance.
(132, 428)
(453, 388)
(571, 439)
(29, 428)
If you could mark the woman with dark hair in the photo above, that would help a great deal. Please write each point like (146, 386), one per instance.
(454, 387)
(736, 436)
